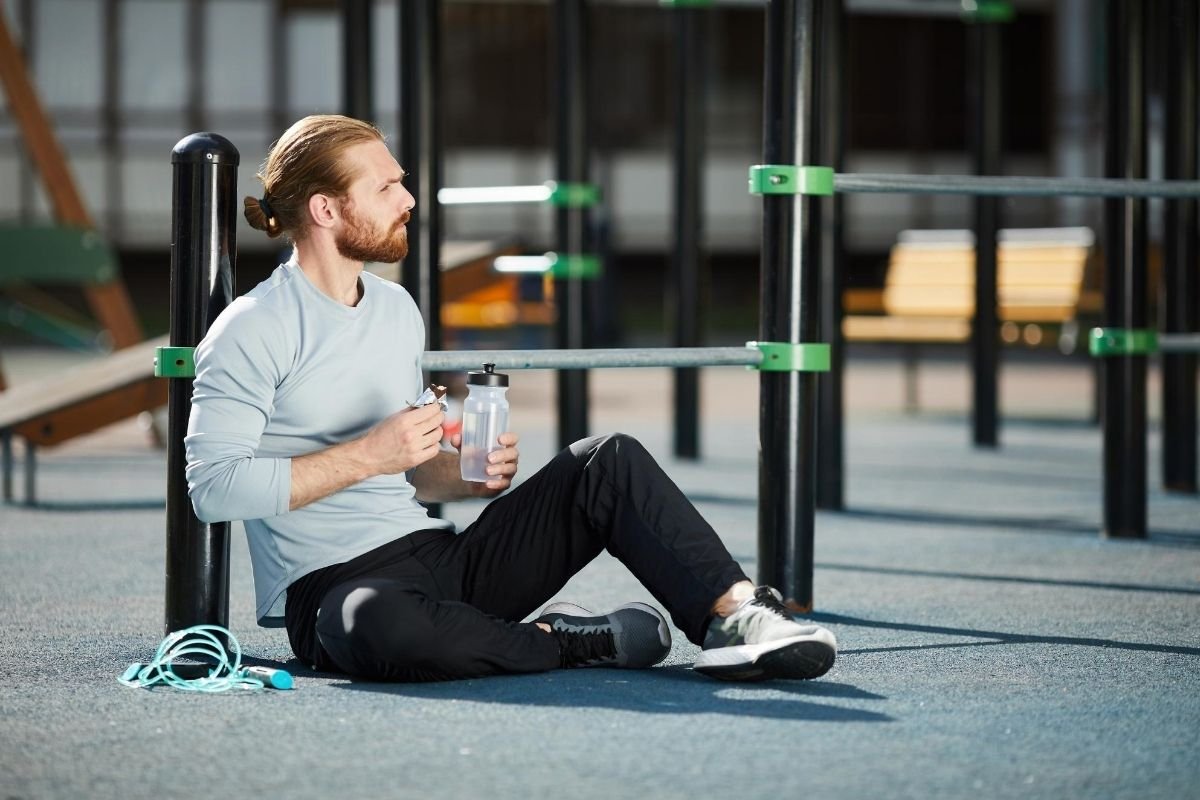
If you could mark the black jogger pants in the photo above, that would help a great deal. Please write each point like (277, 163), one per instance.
(449, 606)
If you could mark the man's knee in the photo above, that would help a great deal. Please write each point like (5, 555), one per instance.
(367, 625)
(612, 449)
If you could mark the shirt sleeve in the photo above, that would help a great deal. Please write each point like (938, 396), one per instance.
(237, 372)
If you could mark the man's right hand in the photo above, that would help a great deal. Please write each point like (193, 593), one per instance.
(404, 440)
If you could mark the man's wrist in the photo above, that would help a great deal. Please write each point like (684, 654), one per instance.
(359, 459)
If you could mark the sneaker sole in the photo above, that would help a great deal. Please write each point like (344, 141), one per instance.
(799, 658)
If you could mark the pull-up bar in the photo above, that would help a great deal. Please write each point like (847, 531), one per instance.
(767, 179)
(554, 193)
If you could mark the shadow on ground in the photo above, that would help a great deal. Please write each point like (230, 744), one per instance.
(989, 638)
(971, 576)
(663, 690)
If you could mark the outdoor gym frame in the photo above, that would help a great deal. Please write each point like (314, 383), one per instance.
(204, 260)
(800, 37)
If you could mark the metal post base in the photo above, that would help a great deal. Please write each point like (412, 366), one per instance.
(30, 473)
(6, 464)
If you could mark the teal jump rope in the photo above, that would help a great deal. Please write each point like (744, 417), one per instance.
(218, 674)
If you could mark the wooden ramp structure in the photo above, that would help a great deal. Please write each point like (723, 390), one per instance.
(107, 297)
(48, 412)
(80, 400)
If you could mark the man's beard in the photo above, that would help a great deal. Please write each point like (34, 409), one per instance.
(361, 242)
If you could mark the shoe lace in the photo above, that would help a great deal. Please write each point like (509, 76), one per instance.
(767, 598)
(578, 649)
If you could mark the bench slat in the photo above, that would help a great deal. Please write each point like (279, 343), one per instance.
(909, 329)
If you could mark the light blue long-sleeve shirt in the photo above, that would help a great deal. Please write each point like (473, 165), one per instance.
(285, 371)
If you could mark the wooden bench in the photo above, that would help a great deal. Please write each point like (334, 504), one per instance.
(928, 297)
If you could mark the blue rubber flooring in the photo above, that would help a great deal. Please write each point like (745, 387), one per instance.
(992, 645)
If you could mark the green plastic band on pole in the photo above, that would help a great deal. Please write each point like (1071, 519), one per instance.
(1122, 342)
(175, 362)
(787, 179)
(789, 357)
(573, 195)
(574, 266)
(987, 11)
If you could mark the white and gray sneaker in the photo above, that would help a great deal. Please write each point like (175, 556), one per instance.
(632, 636)
(761, 640)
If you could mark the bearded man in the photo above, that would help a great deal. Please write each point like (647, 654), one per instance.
(302, 426)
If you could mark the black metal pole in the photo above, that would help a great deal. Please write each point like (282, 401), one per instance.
(357, 63)
(684, 295)
(831, 467)
(110, 116)
(197, 46)
(1181, 251)
(986, 148)
(279, 52)
(790, 297)
(203, 266)
(571, 224)
(1125, 301)
(421, 158)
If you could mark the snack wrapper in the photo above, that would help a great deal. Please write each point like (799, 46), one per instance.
(433, 394)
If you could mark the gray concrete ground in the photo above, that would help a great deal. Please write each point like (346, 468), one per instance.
(992, 644)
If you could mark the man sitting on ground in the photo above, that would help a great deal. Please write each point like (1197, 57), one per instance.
(301, 426)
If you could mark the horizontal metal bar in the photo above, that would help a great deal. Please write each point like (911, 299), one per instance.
(489, 195)
(593, 359)
(912, 8)
(1006, 186)
(1179, 342)
(907, 8)
(577, 265)
(523, 263)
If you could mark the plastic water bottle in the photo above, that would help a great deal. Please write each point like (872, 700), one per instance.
(485, 417)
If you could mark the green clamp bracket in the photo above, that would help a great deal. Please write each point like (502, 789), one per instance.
(786, 179)
(582, 266)
(175, 362)
(789, 357)
(573, 195)
(1122, 341)
(987, 11)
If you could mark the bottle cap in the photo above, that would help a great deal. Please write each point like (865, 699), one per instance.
(489, 377)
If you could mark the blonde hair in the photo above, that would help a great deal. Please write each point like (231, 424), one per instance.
(304, 161)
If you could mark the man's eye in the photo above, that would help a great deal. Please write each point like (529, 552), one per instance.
(386, 186)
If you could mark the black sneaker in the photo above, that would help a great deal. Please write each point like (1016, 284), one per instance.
(632, 636)
(761, 640)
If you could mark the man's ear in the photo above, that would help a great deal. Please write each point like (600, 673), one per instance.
(323, 210)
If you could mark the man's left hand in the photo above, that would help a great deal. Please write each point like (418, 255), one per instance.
(502, 464)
